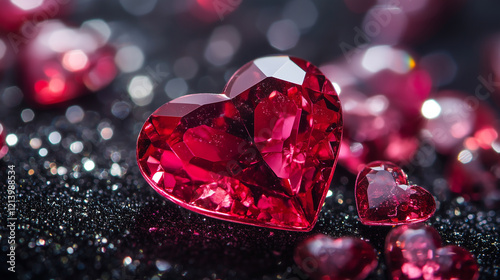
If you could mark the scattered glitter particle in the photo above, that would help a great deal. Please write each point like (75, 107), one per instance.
(76, 147)
(11, 140)
(55, 137)
(27, 115)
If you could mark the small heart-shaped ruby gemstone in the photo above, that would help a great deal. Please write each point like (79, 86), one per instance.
(385, 197)
(262, 153)
(345, 258)
(415, 252)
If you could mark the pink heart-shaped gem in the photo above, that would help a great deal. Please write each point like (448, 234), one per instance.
(345, 258)
(262, 153)
(415, 252)
(385, 197)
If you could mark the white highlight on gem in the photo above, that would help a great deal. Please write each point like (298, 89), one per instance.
(27, 4)
(431, 109)
(11, 139)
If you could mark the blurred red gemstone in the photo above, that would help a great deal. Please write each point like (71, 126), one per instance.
(15, 13)
(382, 91)
(414, 252)
(474, 170)
(70, 63)
(385, 197)
(345, 258)
(450, 119)
(3, 145)
(262, 153)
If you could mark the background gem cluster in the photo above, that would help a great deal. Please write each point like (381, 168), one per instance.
(84, 210)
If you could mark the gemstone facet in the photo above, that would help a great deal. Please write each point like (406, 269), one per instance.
(415, 252)
(322, 257)
(262, 153)
(385, 197)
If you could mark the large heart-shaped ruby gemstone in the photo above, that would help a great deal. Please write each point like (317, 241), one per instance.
(261, 153)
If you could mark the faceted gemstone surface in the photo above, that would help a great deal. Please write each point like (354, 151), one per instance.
(415, 252)
(345, 258)
(262, 153)
(70, 63)
(3, 146)
(385, 197)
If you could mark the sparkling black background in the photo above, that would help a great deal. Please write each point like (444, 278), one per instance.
(92, 225)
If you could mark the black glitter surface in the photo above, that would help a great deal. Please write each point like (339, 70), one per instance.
(75, 223)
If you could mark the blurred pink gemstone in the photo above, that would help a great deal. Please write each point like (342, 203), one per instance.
(345, 258)
(414, 252)
(382, 91)
(385, 197)
(262, 153)
(450, 119)
(14, 13)
(70, 63)
(473, 172)
(395, 22)
(3, 145)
